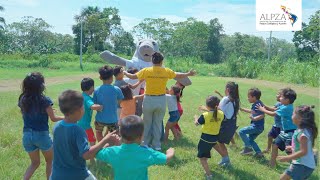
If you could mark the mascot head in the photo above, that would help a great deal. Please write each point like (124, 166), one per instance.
(145, 48)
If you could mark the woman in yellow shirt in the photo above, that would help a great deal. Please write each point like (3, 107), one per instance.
(154, 103)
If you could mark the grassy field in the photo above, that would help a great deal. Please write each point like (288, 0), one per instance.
(185, 165)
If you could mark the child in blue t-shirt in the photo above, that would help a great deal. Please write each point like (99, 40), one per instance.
(109, 97)
(303, 139)
(287, 98)
(87, 87)
(130, 160)
(257, 124)
(36, 108)
(70, 143)
(277, 126)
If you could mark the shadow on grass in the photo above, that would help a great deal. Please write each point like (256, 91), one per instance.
(238, 174)
(101, 170)
(183, 142)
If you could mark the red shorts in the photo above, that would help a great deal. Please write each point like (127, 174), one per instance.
(90, 135)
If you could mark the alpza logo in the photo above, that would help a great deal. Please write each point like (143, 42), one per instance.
(271, 17)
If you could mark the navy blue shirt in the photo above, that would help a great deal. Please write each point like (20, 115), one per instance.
(36, 118)
(69, 144)
(255, 112)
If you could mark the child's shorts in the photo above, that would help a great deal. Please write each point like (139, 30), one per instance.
(34, 140)
(90, 135)
(110, 127)
(274, 132)
(174, 116)
(205, 145)
(298, 171)
(284, 139)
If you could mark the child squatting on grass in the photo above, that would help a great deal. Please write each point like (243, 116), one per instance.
(35, 108)
(210, 122)
(70, 143)
(130, 160)
(303, 139)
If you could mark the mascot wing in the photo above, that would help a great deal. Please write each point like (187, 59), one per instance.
(113, 59)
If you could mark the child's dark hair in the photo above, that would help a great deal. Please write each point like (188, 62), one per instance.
(131, 128)
(255, 92)
(132, 70)
(106, 72)
(290, 94)
(157, 58)
(126, 91)
(116, 70)
(70, 101)
(213, 102)
(182, 88)
(234, 94)
(32, 92)
(176, 91)
(308, 120)
(86, 84)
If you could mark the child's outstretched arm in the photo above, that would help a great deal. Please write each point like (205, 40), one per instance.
(52, 115)
(217, 92)
(202, 108)
(110, 137)
(303, 151)
(96, 107)
(269, 108)
(141, 96)
(263, 109)
(257, 118)
(183, 75)
(131, 76)
(245, 110)
(170, 154)
(133, 86)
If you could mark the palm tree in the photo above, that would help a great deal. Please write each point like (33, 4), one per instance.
(2, 21)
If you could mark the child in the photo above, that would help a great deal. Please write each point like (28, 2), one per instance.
(70, 143)
(276, 128)
(172, 100)
(257, 124)
(303, 139)
(210, 122)
(177, 128)
(128, 104)
(130, 160)
(35, 108)
(108, 96)
(118, 74)
(87, 86)
(287, 98)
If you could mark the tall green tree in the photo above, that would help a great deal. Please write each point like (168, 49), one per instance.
(215, 48)
(123, 42)
(97, 27)
(2, 20)
(306, 41)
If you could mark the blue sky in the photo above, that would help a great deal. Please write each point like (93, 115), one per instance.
(235, 15)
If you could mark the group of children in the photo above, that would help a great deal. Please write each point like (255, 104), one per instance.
(74, 141)
(294, 130)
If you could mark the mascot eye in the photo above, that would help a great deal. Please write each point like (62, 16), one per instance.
(153, 43)
(140, 43)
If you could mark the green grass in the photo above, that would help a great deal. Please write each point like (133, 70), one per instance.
(185, 165)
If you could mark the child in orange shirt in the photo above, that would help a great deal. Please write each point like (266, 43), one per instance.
(128, 104)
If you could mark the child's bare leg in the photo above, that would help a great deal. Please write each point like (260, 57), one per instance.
(274, 154)
(35, 162)
(99, 135)
(204, 163)
(48, 156)
(284, 176)
(267, 150)
(169, 125)
(175, 133)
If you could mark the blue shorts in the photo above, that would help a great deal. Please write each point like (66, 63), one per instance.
(274, 132)
(283, 140)
(174, 116)
(298, 171)
(34, 140)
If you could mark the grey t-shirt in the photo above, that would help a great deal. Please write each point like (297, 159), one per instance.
(120, 83)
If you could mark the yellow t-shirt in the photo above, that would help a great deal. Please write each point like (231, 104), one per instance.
(156, 78)
(212, 126)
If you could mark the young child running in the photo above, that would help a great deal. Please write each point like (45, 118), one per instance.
(35, 108)
(276, 128)
(128, 104)
(177, 128)
(172, 100)
(256, 126)
(87, 87)
(70, 143)
(210, 122)
(287, 98)
(130, 160)
(303, 139)
(108, 96)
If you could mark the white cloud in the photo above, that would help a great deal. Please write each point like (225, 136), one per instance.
(129, 22)
(173, 18)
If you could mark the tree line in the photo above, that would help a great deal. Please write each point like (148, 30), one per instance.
(102, 30)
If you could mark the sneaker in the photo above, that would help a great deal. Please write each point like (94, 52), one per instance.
(225, 163)
(246, 150)
(209, 177)
(259, 155)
